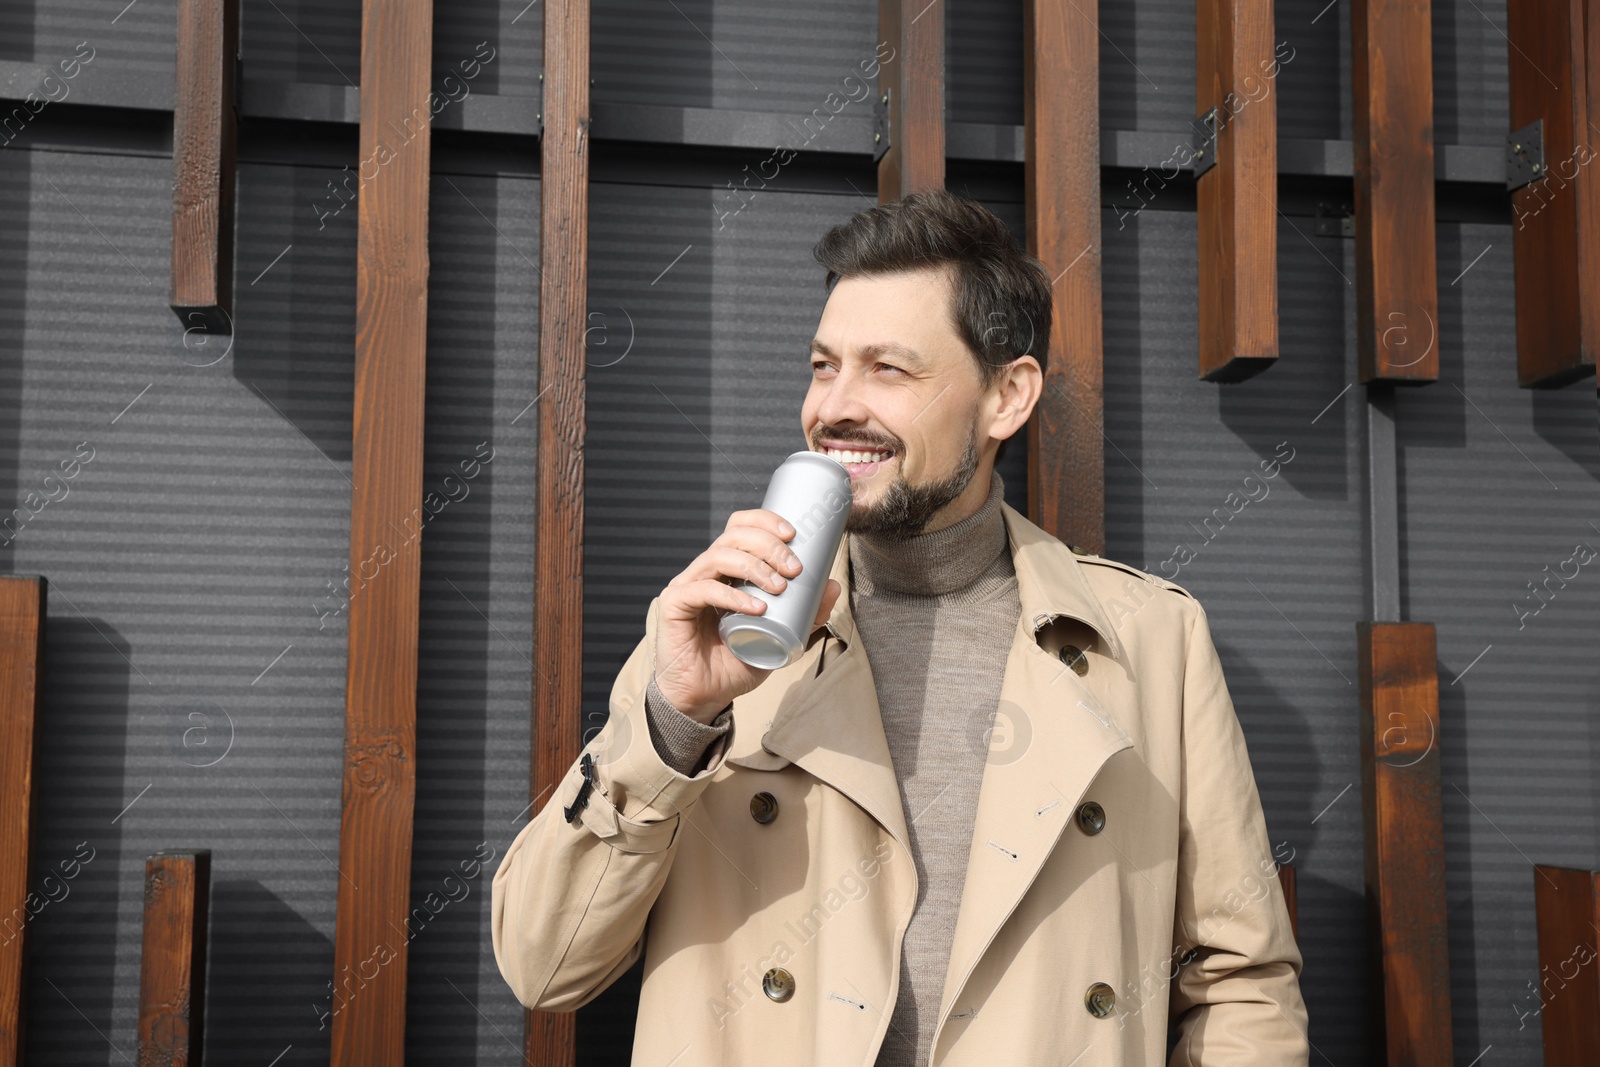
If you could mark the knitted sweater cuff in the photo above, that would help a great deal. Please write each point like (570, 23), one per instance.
(682, 742)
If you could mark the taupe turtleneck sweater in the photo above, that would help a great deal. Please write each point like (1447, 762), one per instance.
(936, 614)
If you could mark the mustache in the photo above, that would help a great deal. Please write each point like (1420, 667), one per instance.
(867, 443)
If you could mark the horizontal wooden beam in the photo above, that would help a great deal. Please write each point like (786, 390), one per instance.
(22, 615)
(1403, 820)
(172, 963)
(204, 162)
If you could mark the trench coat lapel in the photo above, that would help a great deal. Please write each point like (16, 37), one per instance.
(828, 721)
(1064, 733)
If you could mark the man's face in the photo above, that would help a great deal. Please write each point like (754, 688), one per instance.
(891, 377)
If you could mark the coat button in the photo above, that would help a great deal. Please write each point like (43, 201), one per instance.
(764, 808)
(1100, 999)
(778, 984)
(1091, 818)
(1073, 657)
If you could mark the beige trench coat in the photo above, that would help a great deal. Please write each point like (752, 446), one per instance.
(1119, 872)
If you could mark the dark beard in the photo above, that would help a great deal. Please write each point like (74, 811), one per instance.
(906, 509)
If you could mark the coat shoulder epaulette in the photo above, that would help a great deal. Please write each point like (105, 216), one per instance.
(1153, 579)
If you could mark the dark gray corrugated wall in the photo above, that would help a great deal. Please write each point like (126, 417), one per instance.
(195, 562)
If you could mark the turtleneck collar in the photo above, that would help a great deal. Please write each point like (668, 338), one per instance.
(932, 564)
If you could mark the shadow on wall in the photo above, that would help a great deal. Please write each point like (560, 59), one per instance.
(660, 392)
(82, 791)
(292, 344)
(16, 178)
(448, 915)
(267, 980)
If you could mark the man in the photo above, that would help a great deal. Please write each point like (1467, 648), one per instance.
(999, 812)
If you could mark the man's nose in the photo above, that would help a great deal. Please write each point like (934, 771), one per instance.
(843, 402)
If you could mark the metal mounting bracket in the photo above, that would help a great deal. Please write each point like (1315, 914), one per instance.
(1525, 155)
(1335, 220)
(1203, 142)
(880, 125)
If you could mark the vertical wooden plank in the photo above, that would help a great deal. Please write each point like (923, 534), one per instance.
(22, 614)
(1404, 824)
(204, 139)
(1567, 903)
(369, 1012)
(550, 1037)
(1061, 126)
(172, 965)
(1555, 231)
(914, 80)
(1291, 896)
(1237, 197)
(1397, 294)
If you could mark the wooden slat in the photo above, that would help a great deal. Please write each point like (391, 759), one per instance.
(1237, 198)
(914, 79)
(1555, 233)
(22, 614)
(1291, 896)
(1568, 1000)
(1404, 836)
(1397, 297)
(1061, 117)
(172, 965)
(550, 1037)
(204, 136)
(369, 1013)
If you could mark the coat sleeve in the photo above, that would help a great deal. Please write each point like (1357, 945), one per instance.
(1236, 994)
(570, 900)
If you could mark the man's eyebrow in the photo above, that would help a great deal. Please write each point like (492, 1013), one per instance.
(873, 351)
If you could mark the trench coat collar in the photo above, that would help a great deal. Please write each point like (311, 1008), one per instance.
(1050, 583)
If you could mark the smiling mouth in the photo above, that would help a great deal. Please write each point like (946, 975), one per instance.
(860, 462)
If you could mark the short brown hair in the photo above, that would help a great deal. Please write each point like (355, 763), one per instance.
(1001, 293)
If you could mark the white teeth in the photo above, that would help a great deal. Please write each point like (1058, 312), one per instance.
(849, 456)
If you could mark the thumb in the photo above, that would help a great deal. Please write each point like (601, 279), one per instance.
(830, 596)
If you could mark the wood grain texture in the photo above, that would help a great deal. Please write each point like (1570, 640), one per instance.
(204, 156)
(913, 75)
(1397, 294)
(22, 613)
(1568, 906)
(369, 995)
(172, 964)
(1291, 896)
(1404, 844)
(550, 1037)
(1555, 232)
(1061, 127)
(1237, 199)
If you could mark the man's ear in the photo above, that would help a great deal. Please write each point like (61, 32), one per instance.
(1016, 392)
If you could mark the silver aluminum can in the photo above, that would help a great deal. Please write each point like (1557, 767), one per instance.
(812, 491)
